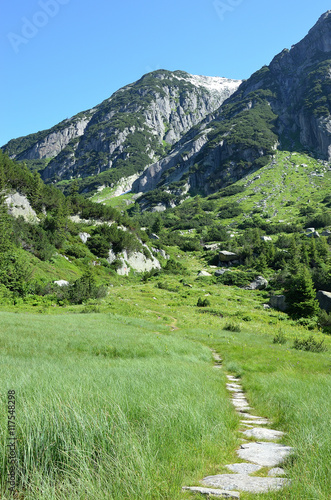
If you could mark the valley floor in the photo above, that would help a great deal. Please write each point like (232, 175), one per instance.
(119, 399)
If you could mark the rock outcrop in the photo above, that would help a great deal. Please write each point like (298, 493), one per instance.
(324, 300)
(19, 206)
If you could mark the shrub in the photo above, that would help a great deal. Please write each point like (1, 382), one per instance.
(239, 279)
(324, 321)
(174, 267)
(203, 302)
(310, 344)
(279, 338)
(232, 327)
(82, 289)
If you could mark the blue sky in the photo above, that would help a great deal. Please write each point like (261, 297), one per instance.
(60, 57)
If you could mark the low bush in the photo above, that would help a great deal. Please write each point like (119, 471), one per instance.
(279, 338)
(232, 327)
(310, 344)
(203, 302)
(324, 321)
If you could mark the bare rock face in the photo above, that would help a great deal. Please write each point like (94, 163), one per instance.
(18, 205)
(136, 126)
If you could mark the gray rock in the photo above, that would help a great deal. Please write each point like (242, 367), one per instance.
(315, 234)
(204, 273)
(154, 236)
(324, 300)
(276, 471)
(267, 434)
(226, 256)
(220, 272)
(111, 256)
(327, 232)
(243, 482)
(232, 378)
(61, 283)
(244, 468)
(265, 454)
(234, 387)
(260, 283)
(163, 254)
(258, 421)
(212, 492)
(18, 205)
(84, 237)
(266, 238)
(278, 302)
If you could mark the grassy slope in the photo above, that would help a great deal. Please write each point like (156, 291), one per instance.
(286, 183)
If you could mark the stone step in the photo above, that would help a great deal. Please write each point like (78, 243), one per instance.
(265, 454)
(267, 434)
(212, 492)
(243, 482)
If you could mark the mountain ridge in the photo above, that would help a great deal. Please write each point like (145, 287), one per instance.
(188, 133)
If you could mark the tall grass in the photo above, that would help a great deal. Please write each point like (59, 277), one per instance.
(302, 406)
(293, 389)
(109, 408)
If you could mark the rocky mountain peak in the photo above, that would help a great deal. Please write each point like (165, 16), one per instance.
(316, 43)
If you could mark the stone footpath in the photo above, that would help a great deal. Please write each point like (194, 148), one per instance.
(264, 452)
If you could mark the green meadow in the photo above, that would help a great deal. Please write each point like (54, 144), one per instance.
(118, 398)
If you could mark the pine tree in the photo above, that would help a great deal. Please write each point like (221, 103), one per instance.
(301, 295)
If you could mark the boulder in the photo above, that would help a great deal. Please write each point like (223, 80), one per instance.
(61, 283)
(266, 238)
(259, 283)
(203, 273)
(278, 302)
(220, 272)
(226, 256)
(154, 236)
(324, 300)
(327, 232)
(313, 234)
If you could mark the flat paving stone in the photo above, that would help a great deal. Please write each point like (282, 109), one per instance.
(267, 434)
(232, 378)
(244, 468)
(276, 471)
(234, 387)
(265, 454)
(255, 422)
(254, 417)
(212, 492)
(243, 482)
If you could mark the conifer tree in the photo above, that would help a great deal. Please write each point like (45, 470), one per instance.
(301, 295)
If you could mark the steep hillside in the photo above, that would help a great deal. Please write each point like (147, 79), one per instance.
(124, 134)
(285, 105)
